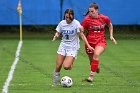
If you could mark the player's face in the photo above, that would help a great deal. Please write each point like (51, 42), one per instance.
(93, 12)
(68, 18)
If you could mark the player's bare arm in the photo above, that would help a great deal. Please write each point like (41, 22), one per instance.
(111, 34)
(85, 40)
(81, 28)
(57, 34)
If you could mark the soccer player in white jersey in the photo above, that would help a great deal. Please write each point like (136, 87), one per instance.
(70, 29)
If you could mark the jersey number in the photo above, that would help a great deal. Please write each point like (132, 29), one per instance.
(67, 37)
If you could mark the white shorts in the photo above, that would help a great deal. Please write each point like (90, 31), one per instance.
(67, 51)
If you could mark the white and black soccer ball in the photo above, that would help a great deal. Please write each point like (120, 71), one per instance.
(66, 81)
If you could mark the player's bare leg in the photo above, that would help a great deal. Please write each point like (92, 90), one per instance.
(58, 67)
(94, 62)
(68, 62)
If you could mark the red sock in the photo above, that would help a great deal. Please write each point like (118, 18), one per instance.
(94, 65)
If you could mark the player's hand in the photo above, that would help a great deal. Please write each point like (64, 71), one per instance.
(90, 48)
(113, 40)
(54, 38)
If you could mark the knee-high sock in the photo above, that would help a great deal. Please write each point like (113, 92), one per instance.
(94, 65)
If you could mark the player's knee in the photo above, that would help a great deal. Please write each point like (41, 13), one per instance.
(96, 56)
(67, 67)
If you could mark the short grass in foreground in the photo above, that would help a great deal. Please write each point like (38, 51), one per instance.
(120, 71)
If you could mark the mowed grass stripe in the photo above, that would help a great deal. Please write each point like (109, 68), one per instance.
(118, 73)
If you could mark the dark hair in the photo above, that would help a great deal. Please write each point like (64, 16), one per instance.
(70, 12)
(92, 5)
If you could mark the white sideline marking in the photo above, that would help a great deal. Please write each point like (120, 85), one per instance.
(11, 72)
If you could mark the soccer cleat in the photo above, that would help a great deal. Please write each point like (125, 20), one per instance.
(89, 79)
(56, 78)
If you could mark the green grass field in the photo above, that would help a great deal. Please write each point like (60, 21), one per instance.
(120, 68)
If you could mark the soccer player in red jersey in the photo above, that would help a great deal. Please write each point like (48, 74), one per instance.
(94, 23)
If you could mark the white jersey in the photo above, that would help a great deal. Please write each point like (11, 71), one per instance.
(70, 36)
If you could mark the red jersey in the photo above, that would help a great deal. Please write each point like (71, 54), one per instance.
(95, 27)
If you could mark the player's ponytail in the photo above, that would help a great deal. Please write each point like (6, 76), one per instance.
(86, 13)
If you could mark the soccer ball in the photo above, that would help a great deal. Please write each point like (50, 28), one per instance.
(66, 81)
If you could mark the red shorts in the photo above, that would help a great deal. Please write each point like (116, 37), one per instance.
(89, 52)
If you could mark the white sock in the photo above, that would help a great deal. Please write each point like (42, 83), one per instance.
(56, 77)
(91, 75)
(56, 73)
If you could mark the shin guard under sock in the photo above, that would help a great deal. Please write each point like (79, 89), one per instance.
(94, 65)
